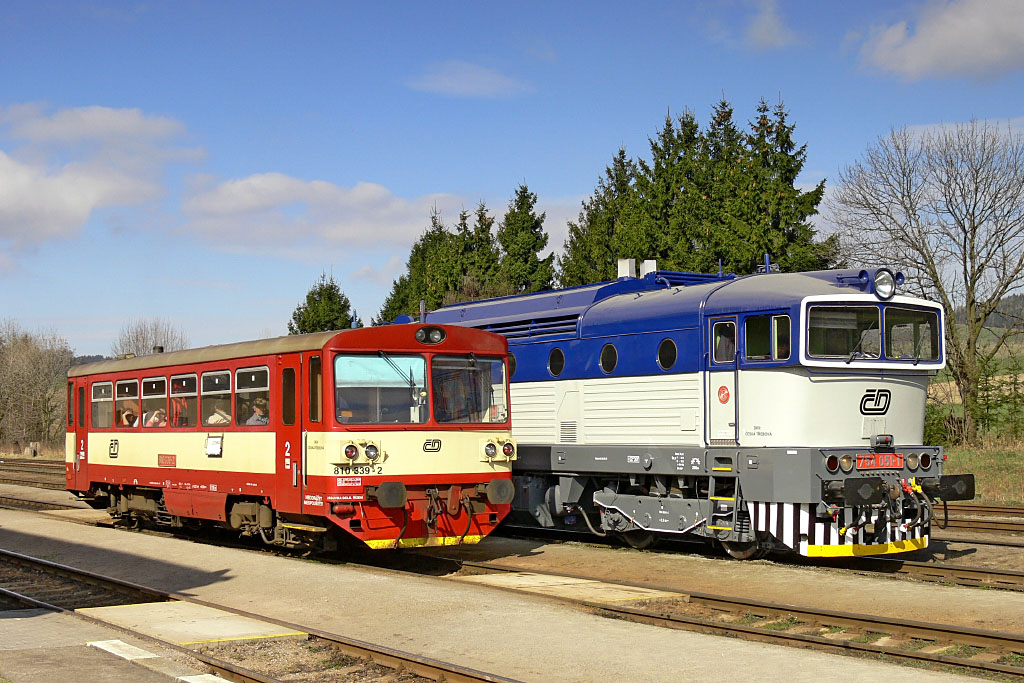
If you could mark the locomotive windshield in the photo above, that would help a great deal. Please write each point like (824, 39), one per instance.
(469, 389)
(871, 332)
(843, 332)
(911, 334)
(380, 389)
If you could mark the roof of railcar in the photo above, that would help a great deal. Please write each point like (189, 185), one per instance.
(260, 347)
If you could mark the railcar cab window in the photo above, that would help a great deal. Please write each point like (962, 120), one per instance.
(126, 408)
(911, 334)
(252, 397)
(380, 389)
(766, 337)
(847, 332)
(184, 401)
(216, 398)
(468, 389)
(724, 341)
(154, 402)
(102, 405)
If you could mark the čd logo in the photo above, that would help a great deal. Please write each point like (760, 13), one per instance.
(875, 402)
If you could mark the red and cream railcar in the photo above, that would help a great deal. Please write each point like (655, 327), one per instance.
(398, 435)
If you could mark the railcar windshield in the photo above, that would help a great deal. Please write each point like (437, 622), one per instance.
(380, 389)
(847, 332)
(468, 389)
(911, 334)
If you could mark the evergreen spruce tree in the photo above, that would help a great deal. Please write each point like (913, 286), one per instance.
(522, 238)
(589, 252)
(325, 308)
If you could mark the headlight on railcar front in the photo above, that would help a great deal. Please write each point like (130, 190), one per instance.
(508, 449)
(351, 452)
(371, 451)
(490, 450)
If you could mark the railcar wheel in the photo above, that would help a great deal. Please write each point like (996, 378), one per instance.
(639, 539)
(751, 550)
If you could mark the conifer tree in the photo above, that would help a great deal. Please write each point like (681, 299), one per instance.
(325, 308)
(522, 238)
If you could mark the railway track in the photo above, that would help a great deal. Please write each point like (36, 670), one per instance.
(42, 474)
(42, 584)
(991, 652)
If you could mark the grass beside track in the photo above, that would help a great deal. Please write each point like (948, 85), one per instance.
(998, 471)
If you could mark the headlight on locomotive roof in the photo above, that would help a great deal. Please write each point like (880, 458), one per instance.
(371, 451)
(886, 283)
(846, 462)
(490, 450)
(351, 452)
(913, 460)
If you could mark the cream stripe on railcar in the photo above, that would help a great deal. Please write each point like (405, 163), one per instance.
(241, 451)
(406, 453)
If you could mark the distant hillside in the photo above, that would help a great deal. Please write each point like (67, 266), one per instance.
(82, 360)
(1010, 311)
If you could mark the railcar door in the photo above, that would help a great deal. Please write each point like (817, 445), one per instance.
(289, 433)
(312, 420)
(721, 399)
(80, 455)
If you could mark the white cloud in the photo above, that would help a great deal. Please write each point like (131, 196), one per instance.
(95, 124)
(766, 30)
(268, 210)
(978, 38)
(57, 169)
(463, 79)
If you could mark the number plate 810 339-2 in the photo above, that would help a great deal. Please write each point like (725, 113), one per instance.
(879, 461)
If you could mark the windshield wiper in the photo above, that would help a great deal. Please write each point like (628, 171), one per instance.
(401, 373)
(856, 349)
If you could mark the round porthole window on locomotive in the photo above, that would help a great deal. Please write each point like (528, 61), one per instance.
(609, 358)
(556, 362)
(666, 354)
(511, 365)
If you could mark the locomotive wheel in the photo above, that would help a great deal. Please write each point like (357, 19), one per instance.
(639, 539)
(751, 550)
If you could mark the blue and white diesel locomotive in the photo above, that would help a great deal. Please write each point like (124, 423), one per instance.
(771, 411)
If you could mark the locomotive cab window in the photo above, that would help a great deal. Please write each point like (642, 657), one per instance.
(380, 389)
(724, 341)
(184, 401)
(252, 397)
(216, 399)
(468, 389)
(766, 337)
(154, 402)
(102, 405)
(126, 407)
(846, 332)
(911, 334)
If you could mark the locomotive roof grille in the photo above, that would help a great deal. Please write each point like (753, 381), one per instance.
(561, 325)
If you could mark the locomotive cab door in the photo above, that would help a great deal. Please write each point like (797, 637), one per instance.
(289, 435)
(721, 399)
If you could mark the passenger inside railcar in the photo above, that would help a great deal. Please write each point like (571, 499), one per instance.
(259, 415)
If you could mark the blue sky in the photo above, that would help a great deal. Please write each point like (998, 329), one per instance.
(203, 162)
